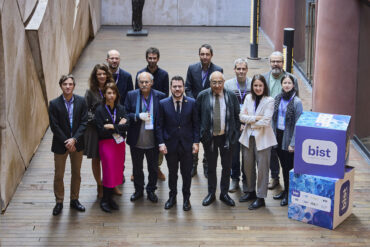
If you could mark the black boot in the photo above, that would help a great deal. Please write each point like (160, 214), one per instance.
(112, 204)
(285, 199)
(104, 203)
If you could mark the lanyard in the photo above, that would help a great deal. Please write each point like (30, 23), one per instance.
(113, 117)
(284, 104)
(244, 93)
(147, 106)
(101, 94)
(117, 76)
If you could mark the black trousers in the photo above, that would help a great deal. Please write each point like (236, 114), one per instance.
(226, 159)
(137, 155)
(184, 158)
(286, 159)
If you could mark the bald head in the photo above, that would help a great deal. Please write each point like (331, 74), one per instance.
(217, 80)
(113, 60)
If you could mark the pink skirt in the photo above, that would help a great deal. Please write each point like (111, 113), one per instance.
(112, 157)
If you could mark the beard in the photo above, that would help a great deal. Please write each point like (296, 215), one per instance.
(276, 71)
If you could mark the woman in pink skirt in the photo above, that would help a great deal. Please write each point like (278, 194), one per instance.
(112, 124)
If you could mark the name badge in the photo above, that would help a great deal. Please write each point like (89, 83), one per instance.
(149, 125)
(118, 138)
(241, 106)
(281, 124)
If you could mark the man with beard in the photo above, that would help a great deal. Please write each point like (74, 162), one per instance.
(142, 108)
(178, 135)
(122, 78)
(273, 78)
(160, 83)
(197, 79)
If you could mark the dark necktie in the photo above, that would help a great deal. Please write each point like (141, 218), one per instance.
(216, 116)
(178, 107)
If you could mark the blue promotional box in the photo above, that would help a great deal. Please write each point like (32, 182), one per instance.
(321, 201)
(322, 144)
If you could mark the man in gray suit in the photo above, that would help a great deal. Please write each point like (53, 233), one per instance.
(197, 79)
(273, 78)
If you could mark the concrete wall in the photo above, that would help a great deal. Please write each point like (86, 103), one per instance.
(180, 12)
(39, 41)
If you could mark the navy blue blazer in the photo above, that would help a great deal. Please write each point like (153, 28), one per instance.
(124, 84)
(135, 122)
(193, 84)
(60, 126)
(173, 128)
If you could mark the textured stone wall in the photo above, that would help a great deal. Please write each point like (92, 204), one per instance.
(180, 12)
(39, 41)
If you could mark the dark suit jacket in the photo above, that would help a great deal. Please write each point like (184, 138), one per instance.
(102, 117)
(59, 123)
(135, 122)
(160, 81)
(124, 84)
(173, 129)
(193, 84)
(205, 112)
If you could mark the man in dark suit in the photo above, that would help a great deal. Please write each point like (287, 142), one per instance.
(123, 78)
(160, 83)
(197, 79)
(68, 121)
(178, 137)
(142, 108)
(218, 110)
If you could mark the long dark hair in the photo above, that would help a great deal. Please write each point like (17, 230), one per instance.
(113, 86)
(93, 81)
(261, 78)
(292, 79)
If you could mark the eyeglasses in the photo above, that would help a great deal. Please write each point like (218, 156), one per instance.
(218, 83)
(145, 82)
(276, 61)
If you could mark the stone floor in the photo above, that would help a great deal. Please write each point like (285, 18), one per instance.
(28, 220)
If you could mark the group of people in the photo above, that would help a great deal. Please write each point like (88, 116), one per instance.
(253, 116)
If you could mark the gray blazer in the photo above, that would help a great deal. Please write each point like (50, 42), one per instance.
(267, 77)
(289, 133)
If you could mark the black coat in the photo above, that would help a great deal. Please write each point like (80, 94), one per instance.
(102, 117)
(205, 111)
(60, 126)
(193, 84)
(135, 121)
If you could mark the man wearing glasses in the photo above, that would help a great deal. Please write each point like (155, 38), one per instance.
(273, 78)
(218, 111)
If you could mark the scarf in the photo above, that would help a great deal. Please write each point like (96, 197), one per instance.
(290, 114)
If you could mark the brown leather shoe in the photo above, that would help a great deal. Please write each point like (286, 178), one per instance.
(117, 192)
(161, 176)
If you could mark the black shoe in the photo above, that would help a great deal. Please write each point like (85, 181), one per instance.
(285, 200)
(259, 202)
(58, 208)
(186, 206)
(205, 170)
(279, 196)
(105, 206)
(112, 204)
(152, 196)
(170, 202)
(194, 171)
(137, 195)
(248, 196)
(209, 199)
(77, 205)
(227, 200)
